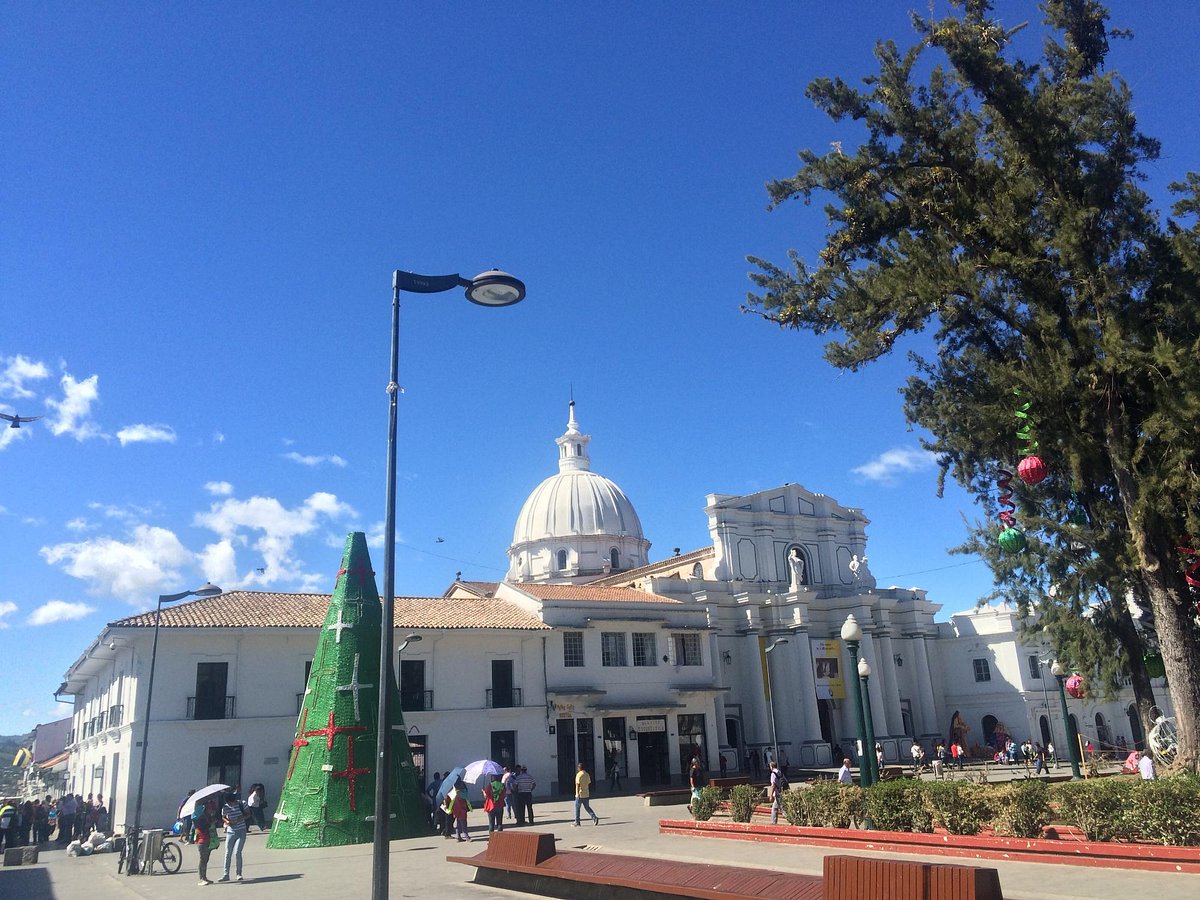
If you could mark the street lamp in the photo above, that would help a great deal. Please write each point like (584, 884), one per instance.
(852, 635)
(491, 288)
(771, 696)
(1057, 670)
(411, 639)
(208, 590)
(1049, 715)
(864, 675)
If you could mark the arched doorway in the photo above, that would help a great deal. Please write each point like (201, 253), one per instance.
(1135, 727)
(989, 729)
(1044, 727)
(1103, 735)
(733, 738)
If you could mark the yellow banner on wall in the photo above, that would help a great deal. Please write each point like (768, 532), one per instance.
(827, 670)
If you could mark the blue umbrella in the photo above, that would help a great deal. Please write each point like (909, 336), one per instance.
(448, 784)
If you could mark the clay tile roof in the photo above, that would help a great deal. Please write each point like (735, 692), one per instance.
(591, 592)
(265, 609)
(654, 568)
(479, 588)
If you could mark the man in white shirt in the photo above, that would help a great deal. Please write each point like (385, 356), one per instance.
(844, 776)
(1146, 766)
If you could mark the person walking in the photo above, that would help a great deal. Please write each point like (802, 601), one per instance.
(510, 794)
(844, 776)
(614, 773)
(431, 795)
(696, 780)
(66, 818)
(583, 785)
(257, 802)
(459, 809)
(939, 761)
(237, 820)
(493, 804)
(525, 785)
(205, 824)
(8, 825)
(779, 784)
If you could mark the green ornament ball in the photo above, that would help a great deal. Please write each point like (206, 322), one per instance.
(1154, 665)
(1012, 540)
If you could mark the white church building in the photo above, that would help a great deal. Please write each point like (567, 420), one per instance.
(586, 653)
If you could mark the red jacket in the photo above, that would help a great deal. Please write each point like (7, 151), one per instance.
(493, 799)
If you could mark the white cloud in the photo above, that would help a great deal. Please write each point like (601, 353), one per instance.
(80, 524)
(146, 434)
(136, 570)
(890, 464)
(218, 437)
(277, 527)
(7, 608)
(218, 562)
(74, 411)
(12, 435)
(15, 371)
(219, 488)
(58, 611)
(332, 459)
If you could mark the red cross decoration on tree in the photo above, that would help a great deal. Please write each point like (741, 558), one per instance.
(350, 773)
(297, 744)
(330, 730)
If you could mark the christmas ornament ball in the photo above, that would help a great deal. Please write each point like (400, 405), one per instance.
(1012, 540)
(1154, 665)
(1031, 470)
(1075, 686)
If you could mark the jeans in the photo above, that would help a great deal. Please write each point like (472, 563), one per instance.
(775, 811)
(525, 808)
(583, 801)
(496, 819)
(235, 840)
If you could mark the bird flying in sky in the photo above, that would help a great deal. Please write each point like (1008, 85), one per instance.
(17, 420)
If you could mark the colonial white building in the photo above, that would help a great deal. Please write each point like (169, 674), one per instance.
(585, 653)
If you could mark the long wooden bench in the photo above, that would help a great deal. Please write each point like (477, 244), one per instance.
(528, 861)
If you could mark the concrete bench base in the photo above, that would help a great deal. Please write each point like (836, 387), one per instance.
(20, 856)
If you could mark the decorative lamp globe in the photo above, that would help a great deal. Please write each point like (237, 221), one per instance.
(1076, 687)
(1154, 665)
(1012, 540)
(1031, 470)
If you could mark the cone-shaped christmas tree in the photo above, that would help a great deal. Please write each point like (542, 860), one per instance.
(328, 793)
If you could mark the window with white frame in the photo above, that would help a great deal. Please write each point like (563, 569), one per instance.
(687, 649)
(645, 651)
(983, 672)
(612, 649)
(573, 649)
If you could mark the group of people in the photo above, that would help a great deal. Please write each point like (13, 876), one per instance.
(33, 822)
(228, 811)
(506, 795)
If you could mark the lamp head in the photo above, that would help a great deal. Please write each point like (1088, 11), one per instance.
(851, 630)
(412, 638)
(1056, 669)
(864, 670)
(208, 590)
(495, 288)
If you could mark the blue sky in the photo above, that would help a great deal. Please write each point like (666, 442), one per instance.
(203, 204)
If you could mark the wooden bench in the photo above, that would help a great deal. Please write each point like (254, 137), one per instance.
(509, 863)
(870, 878)
(672, 797)
(527, 861)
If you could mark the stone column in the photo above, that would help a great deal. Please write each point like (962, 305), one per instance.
(924, 683)
(879, 712)
(891, 683)
(806, 694)
(757, 726)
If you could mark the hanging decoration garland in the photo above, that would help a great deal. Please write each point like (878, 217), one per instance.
(1192, 573)
(1031, 469)
(1012, 539)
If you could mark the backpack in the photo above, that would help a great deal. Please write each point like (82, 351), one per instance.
(781, 782)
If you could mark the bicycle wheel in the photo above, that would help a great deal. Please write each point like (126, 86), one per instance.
(170, 857)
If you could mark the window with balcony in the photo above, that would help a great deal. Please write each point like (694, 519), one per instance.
(413, 696)
(645, 651)
(503, 694)
(612, 649)
(687, 649)
(573, 649)
(211, 700)
(983, 672)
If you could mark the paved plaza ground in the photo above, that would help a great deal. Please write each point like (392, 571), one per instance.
(419, 867)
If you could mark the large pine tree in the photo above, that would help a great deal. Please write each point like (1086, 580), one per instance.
(328, 793)
(997, 200)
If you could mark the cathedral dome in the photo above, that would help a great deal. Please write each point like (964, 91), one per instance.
(576, 524)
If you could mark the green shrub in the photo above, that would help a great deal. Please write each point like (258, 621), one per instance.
(1097, 807)
(823, 804)
(1022, 808)
(1165, 811)
(959, 806)
(742, 800)
(900, 805)
(704, 806)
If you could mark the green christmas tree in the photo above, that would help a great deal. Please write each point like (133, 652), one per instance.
(328, 793)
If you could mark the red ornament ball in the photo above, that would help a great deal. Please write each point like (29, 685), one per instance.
(1011, 540)
(1075, 687)
(1031, 470)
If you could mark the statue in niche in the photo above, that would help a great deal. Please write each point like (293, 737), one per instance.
(795, 563)
(861, 572)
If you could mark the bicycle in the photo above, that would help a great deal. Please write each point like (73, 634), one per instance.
(169, 857)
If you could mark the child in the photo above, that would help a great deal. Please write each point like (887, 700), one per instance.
(459, 809)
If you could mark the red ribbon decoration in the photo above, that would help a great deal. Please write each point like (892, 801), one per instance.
(1005, 499)
(1192, 570)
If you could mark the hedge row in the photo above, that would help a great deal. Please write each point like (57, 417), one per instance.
(1166, 811)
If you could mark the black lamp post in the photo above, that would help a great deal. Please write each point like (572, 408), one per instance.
(852, 635)
(491, 288)
(1060, 673)
(208, 590)
(771, 696)
(864, 675)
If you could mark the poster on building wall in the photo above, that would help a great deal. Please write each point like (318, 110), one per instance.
(827, 670)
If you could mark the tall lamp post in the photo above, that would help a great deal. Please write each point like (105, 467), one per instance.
(1057, 670)
(1046, 702)
(771, 696)
(208, 590)
(864, 675)
(491, 288)
(852, 635)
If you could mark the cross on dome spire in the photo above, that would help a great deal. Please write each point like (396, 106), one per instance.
(572, 446)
